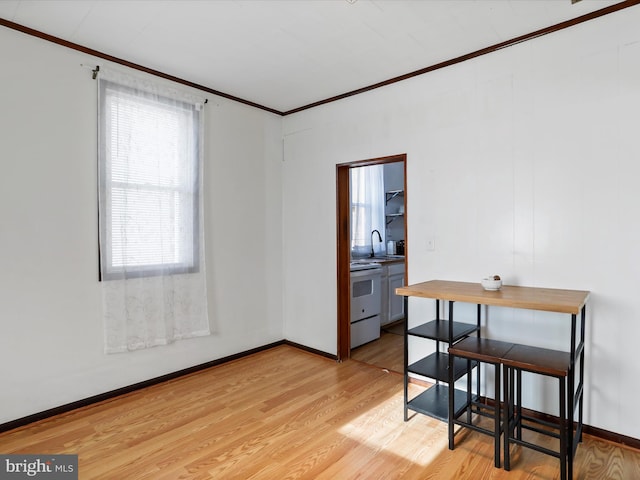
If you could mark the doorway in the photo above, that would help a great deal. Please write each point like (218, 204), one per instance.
(344, 253)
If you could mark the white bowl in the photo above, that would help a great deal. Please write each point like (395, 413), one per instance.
(491, 284)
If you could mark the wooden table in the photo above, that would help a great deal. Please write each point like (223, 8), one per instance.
(532, 298)
(572, 302)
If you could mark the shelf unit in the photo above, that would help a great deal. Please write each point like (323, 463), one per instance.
(388, 196)
(435, 400)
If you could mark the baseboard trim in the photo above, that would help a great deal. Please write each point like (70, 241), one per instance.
(310, 350)
(422, 383)
(21, 422)
(612, 437)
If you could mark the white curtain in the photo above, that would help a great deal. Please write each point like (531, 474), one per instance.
(367, 210)
(152, 261)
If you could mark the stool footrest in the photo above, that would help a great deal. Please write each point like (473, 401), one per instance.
(477, 408)
(540, 430)
(480, 409)
(538, 448)
(477, 428)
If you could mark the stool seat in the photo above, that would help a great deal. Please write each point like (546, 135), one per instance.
(482, 349)
(538, 360)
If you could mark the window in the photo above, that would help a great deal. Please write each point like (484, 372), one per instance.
(367, 209)
(149, 186)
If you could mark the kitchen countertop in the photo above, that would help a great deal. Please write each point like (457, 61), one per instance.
(384, 260)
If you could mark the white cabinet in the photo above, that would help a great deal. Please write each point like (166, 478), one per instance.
(384, 289)
(392, 304)
(396, 303)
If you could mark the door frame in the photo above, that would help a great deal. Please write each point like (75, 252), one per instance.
(343, 241)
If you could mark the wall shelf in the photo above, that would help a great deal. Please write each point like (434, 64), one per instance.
(391, 194)
(393, 216)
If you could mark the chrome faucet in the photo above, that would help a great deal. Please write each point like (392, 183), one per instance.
(379, 240)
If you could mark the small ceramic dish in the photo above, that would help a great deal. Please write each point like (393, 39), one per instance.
(488, 283)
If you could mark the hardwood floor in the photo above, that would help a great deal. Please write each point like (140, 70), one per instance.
(285, 413)
(386, 352)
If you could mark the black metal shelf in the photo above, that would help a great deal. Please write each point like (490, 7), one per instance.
(439, 330)
(436, 366)
(434, 402)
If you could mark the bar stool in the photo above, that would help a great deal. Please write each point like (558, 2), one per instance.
(541, 361)
(485, 351)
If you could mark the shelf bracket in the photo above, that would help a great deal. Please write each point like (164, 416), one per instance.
(391, 195)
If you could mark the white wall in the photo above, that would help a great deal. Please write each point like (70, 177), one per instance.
(51, 341)
(523, 163)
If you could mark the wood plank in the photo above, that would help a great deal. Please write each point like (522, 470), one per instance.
(532, 298)
(386, 352)
(286, 413)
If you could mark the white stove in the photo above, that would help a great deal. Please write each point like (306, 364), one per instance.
(366, 302)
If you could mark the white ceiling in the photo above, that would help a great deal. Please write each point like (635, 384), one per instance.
(285, 54)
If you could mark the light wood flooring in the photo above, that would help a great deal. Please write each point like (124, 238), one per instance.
(286, 414)
(386, 352)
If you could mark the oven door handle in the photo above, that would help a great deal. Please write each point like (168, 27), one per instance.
(367, 273)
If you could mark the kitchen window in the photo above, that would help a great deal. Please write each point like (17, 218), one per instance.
(149, 183)
(367, 210)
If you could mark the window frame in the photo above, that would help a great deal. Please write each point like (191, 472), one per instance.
(107, 271)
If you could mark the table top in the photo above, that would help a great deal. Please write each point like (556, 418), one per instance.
(533, 298)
